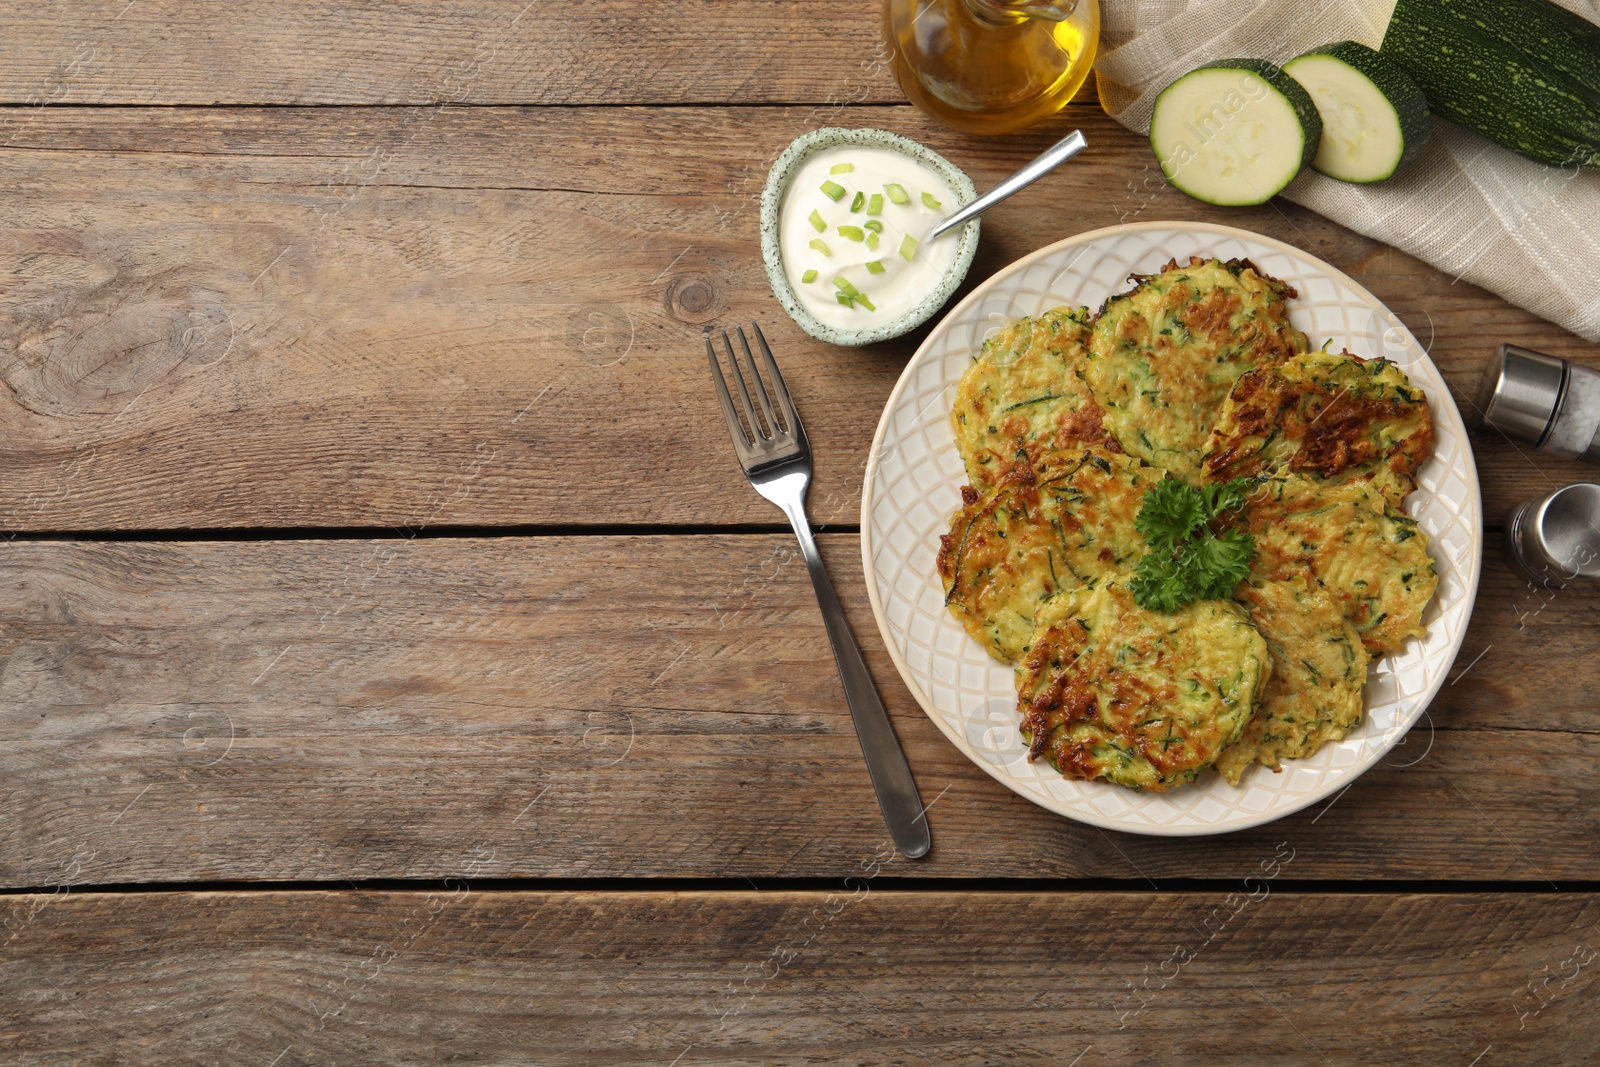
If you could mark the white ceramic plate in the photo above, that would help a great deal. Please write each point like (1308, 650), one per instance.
(912, 487)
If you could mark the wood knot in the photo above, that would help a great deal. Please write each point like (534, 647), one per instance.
(100, 359)
(694, 299)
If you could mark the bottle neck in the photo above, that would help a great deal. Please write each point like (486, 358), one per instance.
(1011, 12)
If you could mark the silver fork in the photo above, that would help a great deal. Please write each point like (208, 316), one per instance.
(776, 457)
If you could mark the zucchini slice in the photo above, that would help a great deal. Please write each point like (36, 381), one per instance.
(1374, 117)
(1234, 132)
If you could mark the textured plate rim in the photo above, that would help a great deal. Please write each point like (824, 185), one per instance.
(1335, 782)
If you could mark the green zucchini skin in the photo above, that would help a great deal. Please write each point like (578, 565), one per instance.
(1410, 103)
(1515, 97)
(1566, 42)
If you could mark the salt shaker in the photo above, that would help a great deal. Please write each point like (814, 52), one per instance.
(1556, 538)
(1548, 402)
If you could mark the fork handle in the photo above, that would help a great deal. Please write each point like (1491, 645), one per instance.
(886, 763)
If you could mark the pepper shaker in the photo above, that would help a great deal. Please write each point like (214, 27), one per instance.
(1548, 402)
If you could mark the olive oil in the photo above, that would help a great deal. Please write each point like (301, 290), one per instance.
(991, 66)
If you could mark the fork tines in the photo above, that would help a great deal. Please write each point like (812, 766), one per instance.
(757, 440)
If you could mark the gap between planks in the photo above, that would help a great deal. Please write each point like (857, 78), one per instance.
(442, 532)
(900, 883)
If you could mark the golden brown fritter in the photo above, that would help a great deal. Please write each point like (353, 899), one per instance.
(1329, 415)
(1041, 531)
(1025, 392)
(1318, 668)
(1140, 698)
(1372, 561)
(1163, 356)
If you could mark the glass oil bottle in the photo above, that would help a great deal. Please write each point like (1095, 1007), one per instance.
(991, 66)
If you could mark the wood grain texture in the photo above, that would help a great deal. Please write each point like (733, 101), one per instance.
(438, 52)
(636, 706)
(488, 308)
(862, 975)
(408, 317)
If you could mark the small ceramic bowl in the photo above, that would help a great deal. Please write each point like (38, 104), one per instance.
(772, 199)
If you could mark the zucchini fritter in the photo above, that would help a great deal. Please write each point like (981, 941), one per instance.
(1025, 392)
(1371, 560)
(1041, 531)
(1318, 668)
(1163, 356)
(1329, 415)
(1198, 372)
(1139, 698)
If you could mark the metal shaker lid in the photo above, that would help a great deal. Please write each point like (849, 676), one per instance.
(1556, 538)
(1521, 392)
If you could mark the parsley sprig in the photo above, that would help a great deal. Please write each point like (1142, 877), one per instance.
(1188, 560)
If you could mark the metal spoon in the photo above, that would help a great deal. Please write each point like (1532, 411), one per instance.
(1048, 160)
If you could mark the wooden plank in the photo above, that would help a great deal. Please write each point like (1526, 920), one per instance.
(629, 707)
(328, 317)
(861, 975)
(437, 52)
(367, 317)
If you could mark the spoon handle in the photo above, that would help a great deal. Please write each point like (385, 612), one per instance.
(1048, 160)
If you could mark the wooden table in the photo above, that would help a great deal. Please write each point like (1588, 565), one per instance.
(395, 667)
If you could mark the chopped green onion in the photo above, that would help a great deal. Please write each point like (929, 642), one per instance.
(842, 168)
(908, 247)
(875, 266)
(845, 298)
(897, 193)
(809, 276)
(855, 233)
(821, 247)
(861, 299)
(832, 190)
(872, 241)
(817, 223)
(875, 204)
(929, 201)
(859, 202)
(845, 287)
(875, 225)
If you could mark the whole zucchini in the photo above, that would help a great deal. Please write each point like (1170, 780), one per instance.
(1539, 28)
(1524, 73)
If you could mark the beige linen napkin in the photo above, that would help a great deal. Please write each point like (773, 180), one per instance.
(1479, 212)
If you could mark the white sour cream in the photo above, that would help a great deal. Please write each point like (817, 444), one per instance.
(902, 283)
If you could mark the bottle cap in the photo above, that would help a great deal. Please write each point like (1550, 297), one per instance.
(1521, 393)
(1556, 537)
